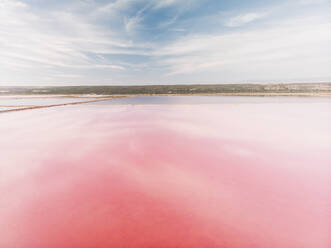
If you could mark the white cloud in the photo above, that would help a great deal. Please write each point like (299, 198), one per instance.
(35, 43)
(243, 19)
(165, 3)
(118, 67)
(38, 45)
(115, 6)
(155, 4)
(295, 47)
(309, 2)
(132, 23)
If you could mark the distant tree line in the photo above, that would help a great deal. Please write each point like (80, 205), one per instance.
(173, 89)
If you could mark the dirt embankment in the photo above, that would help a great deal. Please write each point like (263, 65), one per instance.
(22, 107)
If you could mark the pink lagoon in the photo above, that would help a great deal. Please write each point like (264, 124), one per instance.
(234, 172)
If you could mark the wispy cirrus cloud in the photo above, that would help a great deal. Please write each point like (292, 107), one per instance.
(47, 44)
(243, 19)
(275, 51)
(165, 41)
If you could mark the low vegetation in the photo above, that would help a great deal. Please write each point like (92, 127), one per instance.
(295, 88)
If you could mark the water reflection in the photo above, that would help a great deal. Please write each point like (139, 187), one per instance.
(166, 176)
(194, 100)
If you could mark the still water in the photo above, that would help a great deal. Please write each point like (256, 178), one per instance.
(163, 175)
(193, 100)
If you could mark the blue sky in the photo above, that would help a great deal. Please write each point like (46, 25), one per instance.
(127, 42)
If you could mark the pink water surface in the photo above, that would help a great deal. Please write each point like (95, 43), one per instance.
(230, 175)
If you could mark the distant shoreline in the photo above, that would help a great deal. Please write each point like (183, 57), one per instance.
(294, 89)
(92, 96)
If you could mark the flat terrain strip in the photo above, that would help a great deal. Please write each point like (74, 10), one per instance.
(54, 105)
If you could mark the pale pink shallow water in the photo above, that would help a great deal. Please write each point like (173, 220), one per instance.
(229, 175)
